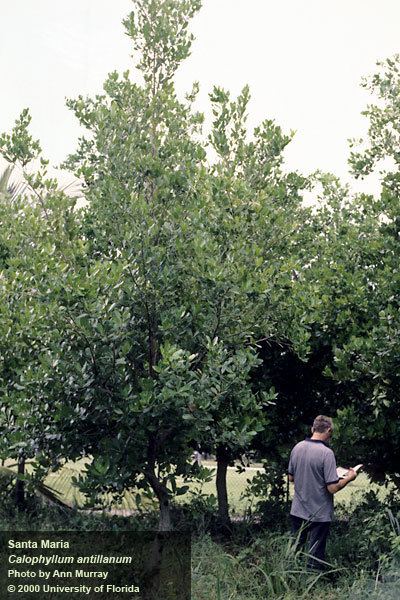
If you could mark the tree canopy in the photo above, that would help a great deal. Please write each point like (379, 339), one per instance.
(193, 303)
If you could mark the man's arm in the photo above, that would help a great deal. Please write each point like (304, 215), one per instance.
(290, 477)
(333, 488)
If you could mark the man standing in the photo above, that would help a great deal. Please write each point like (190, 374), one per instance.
(312, 467)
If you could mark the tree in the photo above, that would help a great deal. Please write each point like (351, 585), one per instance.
(186, 247)
(346, 292)
(37, 241)
(370, 357)
(258, 230)
(170, 277)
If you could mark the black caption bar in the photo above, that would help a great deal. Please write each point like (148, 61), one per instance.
(64, 565)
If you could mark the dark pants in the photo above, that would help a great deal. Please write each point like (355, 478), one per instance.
(317, 534)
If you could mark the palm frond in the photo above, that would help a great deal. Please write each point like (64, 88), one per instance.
(6, 473)
(47, 492)
(51, 495)
(11, 190)
(4, 179)
(16, 189)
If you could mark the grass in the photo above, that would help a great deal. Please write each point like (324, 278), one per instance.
(270, 569)
(237, 483)
(255, 564)
(260, 566)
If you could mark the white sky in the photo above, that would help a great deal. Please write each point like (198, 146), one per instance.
(302, 60)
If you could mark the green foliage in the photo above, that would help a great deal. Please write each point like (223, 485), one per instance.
(191, 304)
(383, 133)
(234, 412)
(186, 257)
(369, 357)
(268, 489)
(19, 146)
(38, 243)
(34, 485)
(153, 25)
(266, 566)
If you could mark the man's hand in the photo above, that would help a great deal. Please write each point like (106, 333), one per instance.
(351, 474)
(333, 488)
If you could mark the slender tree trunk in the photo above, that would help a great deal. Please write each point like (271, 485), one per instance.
(164, 523)
(20, 485)
(222, 491)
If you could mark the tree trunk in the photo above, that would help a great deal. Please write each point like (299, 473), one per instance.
(164, 523)
(20, 485)
(222, 492)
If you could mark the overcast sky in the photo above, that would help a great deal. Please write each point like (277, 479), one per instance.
(303, 62)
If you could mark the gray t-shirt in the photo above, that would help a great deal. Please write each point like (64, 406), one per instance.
(313, 466)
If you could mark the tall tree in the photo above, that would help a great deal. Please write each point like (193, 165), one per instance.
(37, 241)
(258, 233)
(174, 274)
(371, 356)
(193, 251)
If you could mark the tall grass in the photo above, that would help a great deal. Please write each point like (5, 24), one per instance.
(270, 568)
(363, 554)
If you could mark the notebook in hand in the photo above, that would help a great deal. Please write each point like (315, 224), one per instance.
(341, 472)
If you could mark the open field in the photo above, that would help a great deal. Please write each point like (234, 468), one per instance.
(237, 482)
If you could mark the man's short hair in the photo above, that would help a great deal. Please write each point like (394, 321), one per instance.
(322, 424)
